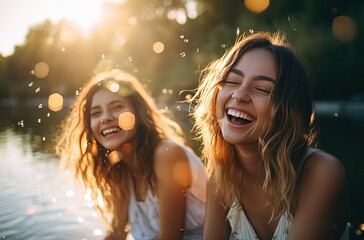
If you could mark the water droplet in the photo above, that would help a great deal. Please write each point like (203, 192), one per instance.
(21, 123)
(182, 54)
(98, 232)
(130, 59)
(37, 90)
(40, 105)
(188, 97)
(237, 31)
(181, 36)
(170, 91)
(30, 84)
(223, 45)
(32, 72)
(63, 49)
(166, 108)
(39, 120)
(121, 40)
(178, 108)
(103, 56)
(48, 114)
(336, 114)
(251, 31)
(186, 40)
(43, 139)
(77, 92)
(197, 50)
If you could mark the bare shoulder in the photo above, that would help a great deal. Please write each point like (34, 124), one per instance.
(321, 210)
(167, 152)
(323, 167)
(170, 158)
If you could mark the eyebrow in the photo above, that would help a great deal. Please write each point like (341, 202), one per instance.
(259, 77)
(112, 102)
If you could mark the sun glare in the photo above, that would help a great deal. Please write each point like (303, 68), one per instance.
(83, 13)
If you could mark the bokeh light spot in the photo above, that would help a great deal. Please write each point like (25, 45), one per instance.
(55, 102)
(32, 209)
(344, 28)
(256, 6)
(41, 70)
(127, 148)
(126, 120)
(114, 87)
(361, 226)
(115, 157)
(179, 172)
(70, 193)
(158, 47)
(98, 232)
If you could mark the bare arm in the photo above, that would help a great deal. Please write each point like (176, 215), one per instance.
(122, 232)
(173, 177)
(216, 225)
(321, 206)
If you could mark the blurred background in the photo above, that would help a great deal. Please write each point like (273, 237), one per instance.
(49, 49)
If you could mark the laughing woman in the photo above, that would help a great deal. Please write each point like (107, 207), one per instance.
(133, 158)
(254, 116)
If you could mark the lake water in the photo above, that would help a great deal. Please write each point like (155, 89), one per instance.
(39, 201)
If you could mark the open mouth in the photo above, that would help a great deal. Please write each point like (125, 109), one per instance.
(238, 118)
(110, 131)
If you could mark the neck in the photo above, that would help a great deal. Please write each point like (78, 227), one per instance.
(252, 163)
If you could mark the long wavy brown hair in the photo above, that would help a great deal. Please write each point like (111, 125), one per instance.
(285, 137)
(80, 152)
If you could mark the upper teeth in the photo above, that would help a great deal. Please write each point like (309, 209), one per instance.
(110, 130)
(238, 114)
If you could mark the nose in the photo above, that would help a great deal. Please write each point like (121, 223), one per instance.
(106, 117)
(241, 94)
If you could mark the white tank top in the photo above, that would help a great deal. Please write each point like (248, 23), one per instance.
(241, 228)
(143, 216)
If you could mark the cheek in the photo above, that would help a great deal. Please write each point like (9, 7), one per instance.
(263, 111)
(93, 125)
(221, 100)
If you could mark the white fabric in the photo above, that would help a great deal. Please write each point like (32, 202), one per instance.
(241, 229)
(143, 216)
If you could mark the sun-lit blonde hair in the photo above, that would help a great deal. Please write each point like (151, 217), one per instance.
(80, 152)
(285, 137)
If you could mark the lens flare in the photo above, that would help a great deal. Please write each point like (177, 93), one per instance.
(256, 6)
(115, 157)
(158, 47)
(114, 87)
(127, 148)
(179, 172)
(55, 102)
(126, 120)
(344, 28)
(41, 70)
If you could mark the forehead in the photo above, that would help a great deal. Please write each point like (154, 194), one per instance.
(258, 61)
(104, 96)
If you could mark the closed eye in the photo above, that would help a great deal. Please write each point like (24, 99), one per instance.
(263, 90)
(95, 113)
(226, 81)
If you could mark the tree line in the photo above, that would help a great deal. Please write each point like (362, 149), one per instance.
(327, 35)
